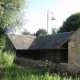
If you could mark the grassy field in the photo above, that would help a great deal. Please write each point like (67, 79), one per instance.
(10, 71)
(33, 73)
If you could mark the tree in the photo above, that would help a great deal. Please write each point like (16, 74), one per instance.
(41, 32)
(25, 32)
(10, 14)
(71, 24)
(33, 34)
(53, 30)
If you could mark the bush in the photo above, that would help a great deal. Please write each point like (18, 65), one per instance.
(6, 59)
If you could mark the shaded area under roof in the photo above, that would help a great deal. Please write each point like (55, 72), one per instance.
(40, 42)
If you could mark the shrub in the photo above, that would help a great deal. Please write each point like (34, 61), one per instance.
(6, 59)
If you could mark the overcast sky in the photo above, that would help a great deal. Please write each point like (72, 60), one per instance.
(36, 12)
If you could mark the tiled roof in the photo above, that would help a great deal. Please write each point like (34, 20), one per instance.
(21, 41)
(50, 41)
(40, 42)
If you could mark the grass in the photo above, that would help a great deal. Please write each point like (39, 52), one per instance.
(33, 73)
(10, 71)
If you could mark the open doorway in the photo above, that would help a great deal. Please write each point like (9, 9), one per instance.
(64, 56)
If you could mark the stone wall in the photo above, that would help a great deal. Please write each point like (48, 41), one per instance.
(74, 52)
(28, 62)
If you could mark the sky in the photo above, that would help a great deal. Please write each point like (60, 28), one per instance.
(36, 13)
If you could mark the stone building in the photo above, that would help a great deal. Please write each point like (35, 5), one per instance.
(63, 48)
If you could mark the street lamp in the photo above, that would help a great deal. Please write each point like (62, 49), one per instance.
(48, 19)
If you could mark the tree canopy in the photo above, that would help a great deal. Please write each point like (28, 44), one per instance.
(10, 13)
(41, 32)
(53, 31)
(25, 32)
(71, 24)
(11, 16)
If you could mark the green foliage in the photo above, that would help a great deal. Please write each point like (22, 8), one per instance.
(41, 32)
(46, 66)
(10, 13)
(6, 59)
(14, 72)
(2, 42)
(11, 16)
(19, 73)
(54, 30)
(71, 24)
(25, 32)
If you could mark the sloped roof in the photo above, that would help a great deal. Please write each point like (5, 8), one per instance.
(40, 42)
(21, 41)
(50, 41)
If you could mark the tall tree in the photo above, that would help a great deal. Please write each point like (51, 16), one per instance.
(71, 24)
(11, 15)
(41, 32)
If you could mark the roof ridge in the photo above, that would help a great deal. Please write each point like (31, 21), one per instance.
(55, 34)
(31, 36)
(22, 35)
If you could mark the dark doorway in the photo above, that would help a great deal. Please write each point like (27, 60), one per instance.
(64, 56)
